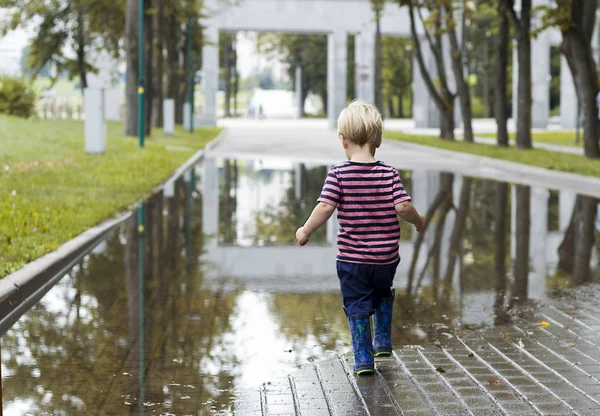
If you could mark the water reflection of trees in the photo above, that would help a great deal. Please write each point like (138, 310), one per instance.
(277, 224)
(77, 351)
(475, 243)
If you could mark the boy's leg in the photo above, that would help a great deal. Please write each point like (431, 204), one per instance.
(356, 294)
(383, 302)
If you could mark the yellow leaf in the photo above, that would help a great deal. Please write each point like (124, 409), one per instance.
(543, 324)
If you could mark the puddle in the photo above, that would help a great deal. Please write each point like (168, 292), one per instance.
(243, 304)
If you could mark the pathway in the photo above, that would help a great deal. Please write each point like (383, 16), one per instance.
(544, 364)
(309, 140)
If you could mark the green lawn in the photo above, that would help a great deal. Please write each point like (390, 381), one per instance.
(50, 191)
(563, 138)
(536, 157)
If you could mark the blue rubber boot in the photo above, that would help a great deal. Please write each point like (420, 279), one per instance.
(360, 329)
(382, 322)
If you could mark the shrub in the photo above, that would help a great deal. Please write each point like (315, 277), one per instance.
(16, 97)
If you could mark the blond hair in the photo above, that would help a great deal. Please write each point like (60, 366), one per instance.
(360, 123)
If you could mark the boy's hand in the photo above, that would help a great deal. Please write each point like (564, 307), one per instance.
(420, 225)
(302, 236)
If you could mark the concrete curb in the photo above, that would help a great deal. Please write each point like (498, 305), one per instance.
(22, 289)
(487, 167)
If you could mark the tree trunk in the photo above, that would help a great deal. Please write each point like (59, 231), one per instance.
(378, 57)
(148, 67)
(236, 80)
(444, 101)
(578, 52)
(324, 98)
(523, 35)
(158, 66)
(131, 77)
(585, 240)
(462, 87)
(521, 267)
(227, 64)
(400, 106)
(390, 105)
(447, 123)
(501, 98)
(81, 51)
(500, 231)
(173, 66)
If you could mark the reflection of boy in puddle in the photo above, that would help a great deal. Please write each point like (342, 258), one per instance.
(369, 197)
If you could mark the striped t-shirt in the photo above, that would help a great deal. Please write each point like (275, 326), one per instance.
(365, 195)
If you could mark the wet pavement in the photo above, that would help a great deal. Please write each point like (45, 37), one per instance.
(237, 319)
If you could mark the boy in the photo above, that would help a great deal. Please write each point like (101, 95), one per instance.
(369, 197)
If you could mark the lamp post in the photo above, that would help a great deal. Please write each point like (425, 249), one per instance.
(141, 48)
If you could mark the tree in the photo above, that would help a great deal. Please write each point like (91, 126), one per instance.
(158, 63)
(378, 6)
(576, 20)
(131, 75)
(80, 26)
(441, 94)
(309, 51)
(457, 56)
(522, 30)
(501, 100)
(396, 72)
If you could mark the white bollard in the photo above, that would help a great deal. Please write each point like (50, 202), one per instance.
(95, 121)
(169, 116)
(186, 116)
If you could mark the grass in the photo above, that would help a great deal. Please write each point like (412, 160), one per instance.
(536, 157)
(563, 138)
(50, 191)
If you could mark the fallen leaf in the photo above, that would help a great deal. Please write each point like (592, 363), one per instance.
(471, 355)
(506, 335)
(440, 370)
(566, 327)
(543, 324)
(495, 382)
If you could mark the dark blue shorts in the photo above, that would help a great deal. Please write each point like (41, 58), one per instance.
(364, 285)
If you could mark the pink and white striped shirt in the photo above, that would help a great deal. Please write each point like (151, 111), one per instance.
(365, 195)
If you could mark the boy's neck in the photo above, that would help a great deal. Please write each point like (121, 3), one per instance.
(362, 156)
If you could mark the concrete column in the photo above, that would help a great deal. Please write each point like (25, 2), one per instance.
(210, 200)
(95, 121)
(336, 75)
(210, 75)
(169, 116)
(425, 112)
(568, 97)
(299, 105)
(364, 52)
(186, 116)
(540, 80)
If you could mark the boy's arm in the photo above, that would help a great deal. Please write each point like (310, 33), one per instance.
(319, 216)
(408, 212)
